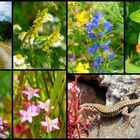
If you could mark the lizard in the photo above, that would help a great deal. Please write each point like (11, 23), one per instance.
(109, 111)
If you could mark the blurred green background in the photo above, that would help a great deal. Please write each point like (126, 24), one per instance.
(132, 30)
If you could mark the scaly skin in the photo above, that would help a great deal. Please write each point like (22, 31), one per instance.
(114, 110)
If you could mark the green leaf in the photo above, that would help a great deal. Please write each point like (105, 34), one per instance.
(139, 39)
(131, 68)
(135, 16)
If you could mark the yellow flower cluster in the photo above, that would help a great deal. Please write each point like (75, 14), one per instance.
(82, 18)
(38, 21)
(71, 3)
(82, 68)
(51, 39)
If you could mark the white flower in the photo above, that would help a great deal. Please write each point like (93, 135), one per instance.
(16, 27)
(18, 59)
(21, 35)
(49, 17)
(50, 124)
(56, 19)
(59, 42)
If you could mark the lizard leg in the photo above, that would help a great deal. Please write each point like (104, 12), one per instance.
(129, 116)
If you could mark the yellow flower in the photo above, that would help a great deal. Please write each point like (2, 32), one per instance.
(71, 3)
(82, 68)
(82, 18)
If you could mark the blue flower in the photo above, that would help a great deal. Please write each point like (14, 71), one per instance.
(105, 47)
(108, 42)
(99, 60)
(100, 34)
(95, 64)
(98, 15)
(96, 46)
(111, 56)
(100, 71)
(91, 50)
(93, 36)
(108, 26)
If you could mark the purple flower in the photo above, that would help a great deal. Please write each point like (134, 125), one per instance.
(45, 105)
(91, 50)
(108, 26)
(31, 92)
(111, 56)
(72, 59)
(50, 124)
(95, 64)
(105, 47)
(96, 46)
(31, 111)
(99, 60)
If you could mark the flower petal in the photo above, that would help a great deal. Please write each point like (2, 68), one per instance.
(36, 90)
(30, 96)
(23, 119)
(44, 123)
(22, 112)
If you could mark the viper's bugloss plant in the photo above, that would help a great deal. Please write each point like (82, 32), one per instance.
(91, 37)
(44, 42)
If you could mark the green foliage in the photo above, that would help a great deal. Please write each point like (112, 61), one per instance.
(135, 16)
(5, 30)
(132, 36)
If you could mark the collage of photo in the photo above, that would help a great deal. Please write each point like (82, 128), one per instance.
(69, 69)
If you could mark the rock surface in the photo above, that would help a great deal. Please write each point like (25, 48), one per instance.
(5, 56)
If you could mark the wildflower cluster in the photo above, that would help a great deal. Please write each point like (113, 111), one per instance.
(19, 62)
(4, 129)
(44, 36)
(99, 54)
(34, 109)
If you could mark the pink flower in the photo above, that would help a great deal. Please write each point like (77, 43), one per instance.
(31, 92)
(45, 105)
(50, 124)
(31, 111)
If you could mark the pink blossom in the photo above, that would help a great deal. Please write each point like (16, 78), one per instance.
(45, 105)
(50, 124)
(31, 111)
(31, 92)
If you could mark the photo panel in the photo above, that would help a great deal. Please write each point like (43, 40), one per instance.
(6, 35)
(95, 37)
(132, 37)
(39, 35)
(103, 106)
(39, 104)
(5, 105)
